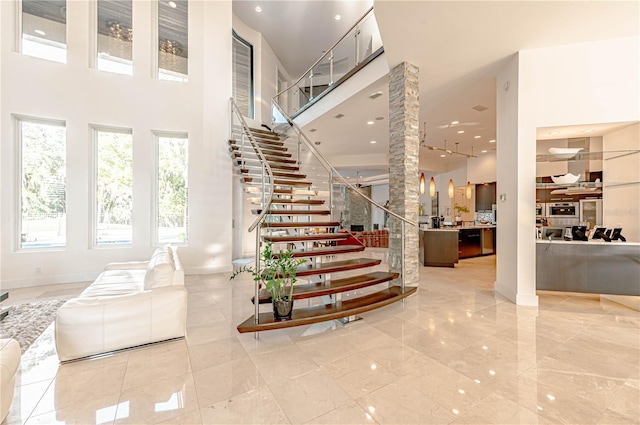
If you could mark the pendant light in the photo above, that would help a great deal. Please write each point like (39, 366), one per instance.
(468, 190)
(422, 184)
(451, 188)
(432, 187)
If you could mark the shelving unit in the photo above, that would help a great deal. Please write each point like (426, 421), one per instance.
(586, 156)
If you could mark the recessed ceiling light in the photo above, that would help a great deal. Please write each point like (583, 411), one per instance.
(588, 131)
(40, 32)
(492, 141)
(484, 151)
(379, 118)
(477, 137)
(455, 122)
(339, 116)
(372, 142)
(258, 9)
(375, 95)
(370, 122)
(313, 130)
(460, 131)
(317, 143)
(555, 132)
(337, 17)
(443, 155)
(172, 4)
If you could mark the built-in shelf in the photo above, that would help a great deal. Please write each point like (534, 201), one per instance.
(586, 156)
(585, 185)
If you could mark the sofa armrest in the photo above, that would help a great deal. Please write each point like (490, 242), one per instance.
(130, 265)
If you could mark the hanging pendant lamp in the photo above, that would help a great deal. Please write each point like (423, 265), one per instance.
(422, 184)
(432, 187)
(451, 188)
(468, 190)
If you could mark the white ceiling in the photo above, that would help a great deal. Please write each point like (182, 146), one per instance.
(459, 47)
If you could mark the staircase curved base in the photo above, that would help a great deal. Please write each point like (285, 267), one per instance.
(323, 313)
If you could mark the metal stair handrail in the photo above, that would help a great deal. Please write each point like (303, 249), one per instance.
(265, 163)
(330, 167)
(327, 52)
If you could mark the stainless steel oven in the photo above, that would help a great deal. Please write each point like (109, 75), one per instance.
(563, 210)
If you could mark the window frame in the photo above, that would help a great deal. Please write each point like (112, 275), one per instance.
(19, 32)
(18, 119)
(93, 188)
(155, 207)
(236, 37)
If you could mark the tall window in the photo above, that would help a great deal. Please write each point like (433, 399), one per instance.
(172, 188)
(242, 79)
(44, 29)
(173, 40)
(114, 186)
(43, 188)
(115, 36)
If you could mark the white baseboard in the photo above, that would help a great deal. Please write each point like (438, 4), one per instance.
(49, 280)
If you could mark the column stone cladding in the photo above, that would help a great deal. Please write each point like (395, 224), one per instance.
(404, 146)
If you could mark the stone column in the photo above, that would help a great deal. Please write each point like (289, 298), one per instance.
(404, 146)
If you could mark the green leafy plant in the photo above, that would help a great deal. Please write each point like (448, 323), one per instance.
(461, 208)
(277, 272)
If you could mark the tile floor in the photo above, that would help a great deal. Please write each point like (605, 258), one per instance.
(455, 353)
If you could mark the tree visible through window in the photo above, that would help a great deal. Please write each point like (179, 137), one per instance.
(43, 184)
(114, 185)
(172, 187)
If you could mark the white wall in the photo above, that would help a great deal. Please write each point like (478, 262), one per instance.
(82, 96)
(621, 203)
(265, 67)
(584, 83)
(380, 194)
(482, 169)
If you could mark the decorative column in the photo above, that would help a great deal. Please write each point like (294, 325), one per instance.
(404, 146)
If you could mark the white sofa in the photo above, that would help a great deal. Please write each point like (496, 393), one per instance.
(129, 304)
(10, 355)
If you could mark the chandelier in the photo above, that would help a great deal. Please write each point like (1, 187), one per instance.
(443, 149)
(169, 46)
(120, 31)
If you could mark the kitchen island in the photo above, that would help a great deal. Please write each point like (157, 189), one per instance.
(444, 247)
(594, 266)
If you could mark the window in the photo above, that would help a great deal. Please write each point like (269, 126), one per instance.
(44, 29)
(173, 40)
(42, 189)
(242, 79)
(172, 188)
(114, 186)
(115, 36)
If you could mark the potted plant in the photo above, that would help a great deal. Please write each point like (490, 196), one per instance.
(278, 275)
(459, 210)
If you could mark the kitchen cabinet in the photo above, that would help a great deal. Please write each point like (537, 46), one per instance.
(485, 196)
(469, 243)
(438, 247)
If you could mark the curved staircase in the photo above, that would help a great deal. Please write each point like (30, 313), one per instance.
(293, 212)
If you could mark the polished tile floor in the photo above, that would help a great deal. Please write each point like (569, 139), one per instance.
(455, 353)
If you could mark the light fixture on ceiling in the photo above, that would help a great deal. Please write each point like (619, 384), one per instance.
(119, 31)
(455, 122)
(451, 188)
(258, 9)
(460, 131)
(588, 131)
(373, 142)
(422, 184)
(468, 192)
(443, 156)
(554, 133)
(370, 122)
(437, 148)
(477, 137)
(432, 187)
(492, 141)
(337, 17)
(172, 4)
(484, 151)
(169, 46)
(39, 32)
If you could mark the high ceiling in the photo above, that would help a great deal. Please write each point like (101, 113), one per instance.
(459, 47)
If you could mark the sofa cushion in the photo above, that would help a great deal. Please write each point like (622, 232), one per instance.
(160, 269)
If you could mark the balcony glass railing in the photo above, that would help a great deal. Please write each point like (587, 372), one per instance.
(355, 48)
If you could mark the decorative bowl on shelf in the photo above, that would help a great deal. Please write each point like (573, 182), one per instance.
(566, 179)
(564, 153)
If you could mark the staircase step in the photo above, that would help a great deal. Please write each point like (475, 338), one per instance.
(307, 238)
(264, 145)
(336, 266)
(298, 201)
(277, 182)
(322, 313)
(301, 224)
(293, 212)
(246, 171)
(334, 286)
(269, 155)
(256, 164)
(264, 132)
(292, 192)
(325, 250)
